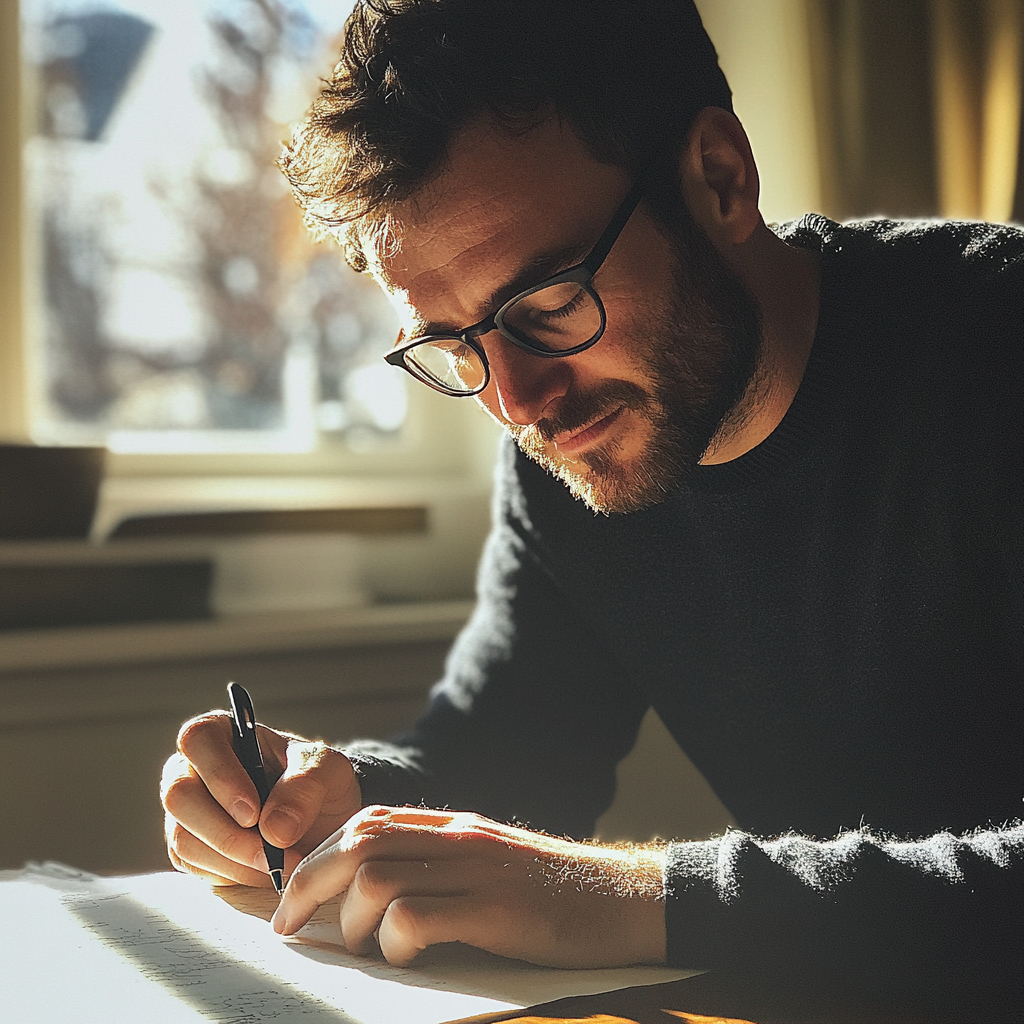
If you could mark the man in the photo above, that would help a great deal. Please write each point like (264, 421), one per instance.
(767, 483)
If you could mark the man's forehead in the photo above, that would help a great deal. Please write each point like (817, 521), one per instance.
(500, 203)
(435, 228)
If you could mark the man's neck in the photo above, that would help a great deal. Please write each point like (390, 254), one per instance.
(784, 281)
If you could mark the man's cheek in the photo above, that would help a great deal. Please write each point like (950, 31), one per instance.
(488, 401)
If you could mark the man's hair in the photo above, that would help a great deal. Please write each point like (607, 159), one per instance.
(628, 76)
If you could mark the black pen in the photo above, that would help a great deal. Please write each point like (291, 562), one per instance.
(247, 747)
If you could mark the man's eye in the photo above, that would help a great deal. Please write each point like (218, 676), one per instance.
(568, 308)
(556, 302)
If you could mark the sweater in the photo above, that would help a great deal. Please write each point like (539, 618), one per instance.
(830, 626)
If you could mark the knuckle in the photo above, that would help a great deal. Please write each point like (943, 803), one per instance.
(169, 826)
(182, 843)
(177, 792)
(300, 881)
(179, 839)
(307, 755)
(405, 918)
(235, 844)
(175, 783)
(373, 880)
(301, 793)
(190, 733)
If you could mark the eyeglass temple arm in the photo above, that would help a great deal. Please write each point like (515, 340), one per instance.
(611, 233)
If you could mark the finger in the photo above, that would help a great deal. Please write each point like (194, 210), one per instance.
(330, 870)
(315, 795)
(190, 869)
(317, 879)
(378, 883)
(206, 743)
(373, 819)
(190, 854)
(411, 923)
(188, 801)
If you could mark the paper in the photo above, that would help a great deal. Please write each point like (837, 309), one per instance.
(164, 948)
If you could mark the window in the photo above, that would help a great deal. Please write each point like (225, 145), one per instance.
(176, 303)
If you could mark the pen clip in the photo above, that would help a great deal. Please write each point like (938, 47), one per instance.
(242, 713)
(246, 743)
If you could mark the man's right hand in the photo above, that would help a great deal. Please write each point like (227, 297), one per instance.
(211, 804)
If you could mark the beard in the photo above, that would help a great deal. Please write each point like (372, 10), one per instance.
(696, 356)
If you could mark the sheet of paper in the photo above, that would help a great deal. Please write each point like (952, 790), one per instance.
(164, 948)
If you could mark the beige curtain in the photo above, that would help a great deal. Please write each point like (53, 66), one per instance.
(977, 61)
(918, 105)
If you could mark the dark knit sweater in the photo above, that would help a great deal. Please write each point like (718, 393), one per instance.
(832, 628)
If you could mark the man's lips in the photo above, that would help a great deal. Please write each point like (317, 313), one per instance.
(572, 442)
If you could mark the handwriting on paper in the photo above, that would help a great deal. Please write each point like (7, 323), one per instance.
(221, 987)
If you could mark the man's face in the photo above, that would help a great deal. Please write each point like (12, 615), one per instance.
(620, 423)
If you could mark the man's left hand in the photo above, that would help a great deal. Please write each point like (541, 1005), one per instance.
(413, 877)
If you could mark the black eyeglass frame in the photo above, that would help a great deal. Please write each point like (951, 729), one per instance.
(582, 274)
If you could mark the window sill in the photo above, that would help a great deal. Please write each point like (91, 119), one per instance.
(91, 646)
(436, 564)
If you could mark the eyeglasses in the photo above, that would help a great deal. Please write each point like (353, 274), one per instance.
(559, 317)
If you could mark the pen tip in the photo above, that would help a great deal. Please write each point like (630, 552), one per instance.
(277, 877)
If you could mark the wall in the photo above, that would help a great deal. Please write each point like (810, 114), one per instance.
(81, 786)
(764, 50)
(84, 790)
(13, 419)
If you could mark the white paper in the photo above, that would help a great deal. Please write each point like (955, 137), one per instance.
(164, 948)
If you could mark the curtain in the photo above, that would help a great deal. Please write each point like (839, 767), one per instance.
(918, 106)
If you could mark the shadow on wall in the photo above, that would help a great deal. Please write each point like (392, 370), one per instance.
(646, 806)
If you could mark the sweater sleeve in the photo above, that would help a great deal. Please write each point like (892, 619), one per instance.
(932, 925)
(533, 713)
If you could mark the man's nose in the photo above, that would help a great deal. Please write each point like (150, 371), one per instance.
(525, 384)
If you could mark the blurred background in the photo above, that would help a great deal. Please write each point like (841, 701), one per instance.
(206, 470)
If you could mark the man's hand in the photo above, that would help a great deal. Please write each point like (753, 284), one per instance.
(212, 805)
(413, 877)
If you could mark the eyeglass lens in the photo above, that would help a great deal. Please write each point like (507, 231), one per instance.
(448, 362)
(556, 318)
(553, 319)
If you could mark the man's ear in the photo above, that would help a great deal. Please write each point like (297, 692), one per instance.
(719, 177)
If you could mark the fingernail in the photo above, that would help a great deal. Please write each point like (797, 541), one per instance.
(284, 825)
(242, 811)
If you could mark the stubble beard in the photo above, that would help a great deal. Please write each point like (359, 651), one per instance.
(696, 357)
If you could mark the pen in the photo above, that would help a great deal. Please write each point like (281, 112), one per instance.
(247, 747)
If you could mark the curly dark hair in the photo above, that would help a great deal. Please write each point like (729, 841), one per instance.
(627, 75)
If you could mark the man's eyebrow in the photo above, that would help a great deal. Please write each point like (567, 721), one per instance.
(536, 269)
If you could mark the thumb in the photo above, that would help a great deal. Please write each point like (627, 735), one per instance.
(318, 782)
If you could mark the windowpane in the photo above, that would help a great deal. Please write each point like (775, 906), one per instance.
(180, 304)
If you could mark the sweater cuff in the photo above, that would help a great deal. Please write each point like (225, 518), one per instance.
(694, 903)
(385, 780)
